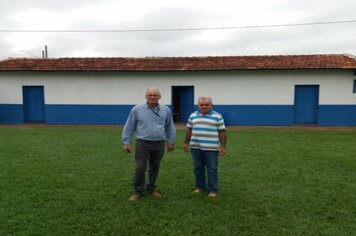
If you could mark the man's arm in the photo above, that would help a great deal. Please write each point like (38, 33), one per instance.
(223, 138)
(128, 131)
(188, 135)
(170, 131)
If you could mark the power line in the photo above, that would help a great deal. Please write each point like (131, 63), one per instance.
(30, 53)
(172, 29)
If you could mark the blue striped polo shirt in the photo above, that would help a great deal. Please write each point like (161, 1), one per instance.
(205, 130)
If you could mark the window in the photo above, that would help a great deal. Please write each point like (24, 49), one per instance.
(354, 86)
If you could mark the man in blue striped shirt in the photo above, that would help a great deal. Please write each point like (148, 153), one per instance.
(206, 138)
(153, 125)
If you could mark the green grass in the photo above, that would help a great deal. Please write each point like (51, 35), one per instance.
(76, 181)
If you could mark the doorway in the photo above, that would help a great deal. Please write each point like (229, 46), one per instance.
(182, 102)
(33, 103)
(306, 103)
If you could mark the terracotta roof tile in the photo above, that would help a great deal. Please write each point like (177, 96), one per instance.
(327, 61)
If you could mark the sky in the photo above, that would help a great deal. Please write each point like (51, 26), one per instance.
(127, 18)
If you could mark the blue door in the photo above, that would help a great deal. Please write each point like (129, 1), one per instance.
(33, 103)
(182, 102)
(306, 102)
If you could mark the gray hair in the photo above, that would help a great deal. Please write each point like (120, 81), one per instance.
(205, 98)
(153, 89)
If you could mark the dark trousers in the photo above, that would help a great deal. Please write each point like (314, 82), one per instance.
(150, 153)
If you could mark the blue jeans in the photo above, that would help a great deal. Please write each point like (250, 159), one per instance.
(205, 164)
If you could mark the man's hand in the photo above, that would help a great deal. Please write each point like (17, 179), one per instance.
(127, 148)
(186, 147)
(222, 151)
(170, 147)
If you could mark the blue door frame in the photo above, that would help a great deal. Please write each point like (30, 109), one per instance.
(182, 102)
(33, 103)
(306, 104)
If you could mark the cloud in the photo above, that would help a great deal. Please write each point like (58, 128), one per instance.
(156, 14)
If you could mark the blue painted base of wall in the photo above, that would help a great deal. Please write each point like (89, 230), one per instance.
(337, 115)
(11, 114)
(233, 114)
(87, 114)
(256, 114)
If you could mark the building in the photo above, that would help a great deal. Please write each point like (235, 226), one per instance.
(246, 90)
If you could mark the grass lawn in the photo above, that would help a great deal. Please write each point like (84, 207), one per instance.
(76, 181)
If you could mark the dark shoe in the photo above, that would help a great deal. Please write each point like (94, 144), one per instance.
(134, 197)
(212, 195)
(155, 194)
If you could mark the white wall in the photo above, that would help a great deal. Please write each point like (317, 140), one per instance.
(243, 87)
